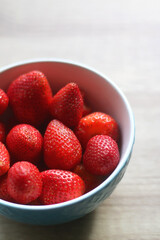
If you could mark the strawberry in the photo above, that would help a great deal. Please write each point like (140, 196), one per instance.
(91, 181)
(60, 186)
(62, 149)
(3, 101)
(2, 132)
(24, 182)
(30, 96)
(101, 155)
(96, 123)
(3, 189)
(4, 159)
(24, 143)
(67, 105)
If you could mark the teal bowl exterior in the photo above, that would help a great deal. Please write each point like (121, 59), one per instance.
(76, 208)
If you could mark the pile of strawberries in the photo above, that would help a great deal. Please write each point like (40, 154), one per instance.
(53, 148)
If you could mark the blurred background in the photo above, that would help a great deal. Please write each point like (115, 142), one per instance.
(113, 36)
(121, 39)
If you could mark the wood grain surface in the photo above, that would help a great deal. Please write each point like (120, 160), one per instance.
(122, 40)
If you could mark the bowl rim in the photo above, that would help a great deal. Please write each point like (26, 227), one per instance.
(121, 164)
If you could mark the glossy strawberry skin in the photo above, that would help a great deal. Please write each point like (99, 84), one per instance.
(96, 123)
(4, 159)
(91, 181)
(30, 96)
(25, 143)
(3, 101)
(24, 182)
(101, 156)
(67, 105)
(60, 186)
(62, 149)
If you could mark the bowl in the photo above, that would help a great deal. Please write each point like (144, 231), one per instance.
(102, 95)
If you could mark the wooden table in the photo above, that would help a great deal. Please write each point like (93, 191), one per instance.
(122, 40)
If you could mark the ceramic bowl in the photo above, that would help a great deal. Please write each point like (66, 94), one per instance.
(102, 95)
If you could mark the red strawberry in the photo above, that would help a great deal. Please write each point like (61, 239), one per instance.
(24, 182)
(101, 155)
(91, 181)
(60, 186)
(4, 159)
(96, 123)
(24, 143)
(67, 105)
(3, 101)
(30, 96)
(3, 189)
(2, 132)
(62, 149)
